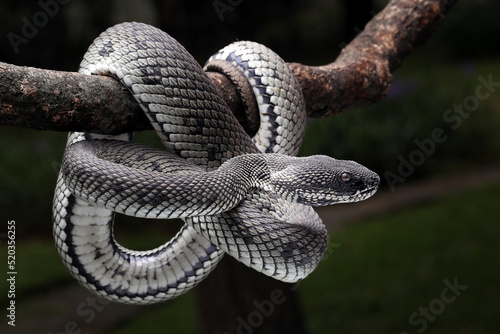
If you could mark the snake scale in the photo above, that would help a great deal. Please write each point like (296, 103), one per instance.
(248, 197)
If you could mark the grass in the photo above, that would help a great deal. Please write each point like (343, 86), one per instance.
(175, 316)
(380, 272)
(386, 269)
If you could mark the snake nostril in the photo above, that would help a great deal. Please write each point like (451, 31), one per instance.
(360, 185)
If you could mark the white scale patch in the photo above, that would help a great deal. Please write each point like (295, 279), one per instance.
(91, 233)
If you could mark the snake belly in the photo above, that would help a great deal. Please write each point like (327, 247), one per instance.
(281, 239)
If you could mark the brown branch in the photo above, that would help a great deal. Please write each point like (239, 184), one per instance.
(360, 76)
(67, 101)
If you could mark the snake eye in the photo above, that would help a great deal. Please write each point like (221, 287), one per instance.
(345, 177)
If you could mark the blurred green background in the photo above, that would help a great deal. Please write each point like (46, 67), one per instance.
(384, 270)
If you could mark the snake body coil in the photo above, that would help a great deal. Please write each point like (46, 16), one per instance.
(233, 199)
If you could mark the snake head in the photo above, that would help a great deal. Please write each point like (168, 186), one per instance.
(321, 180)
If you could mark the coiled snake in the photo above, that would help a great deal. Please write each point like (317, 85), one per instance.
(233, 199)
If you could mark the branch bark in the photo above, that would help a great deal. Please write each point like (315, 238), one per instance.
(360, 76)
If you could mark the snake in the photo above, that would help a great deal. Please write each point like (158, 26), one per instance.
(246, 195)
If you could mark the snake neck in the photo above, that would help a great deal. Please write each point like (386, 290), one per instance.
(251, 171)
(257, 170)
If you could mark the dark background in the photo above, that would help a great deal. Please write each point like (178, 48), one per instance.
(434, 77)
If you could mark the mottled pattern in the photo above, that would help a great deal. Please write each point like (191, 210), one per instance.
(234, 209)
(279, 97)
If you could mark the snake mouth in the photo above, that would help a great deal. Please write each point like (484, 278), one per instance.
(364, 194)
(360, 191)
(356, 195)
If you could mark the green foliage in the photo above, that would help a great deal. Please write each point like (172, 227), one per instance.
(30, 163)
(39, 268)
(175, 316)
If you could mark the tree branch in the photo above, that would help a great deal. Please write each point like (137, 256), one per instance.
(362, 73)
(360, 76)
